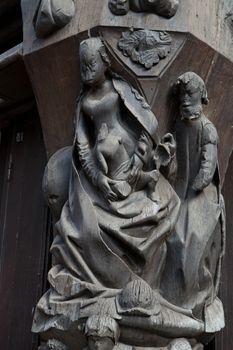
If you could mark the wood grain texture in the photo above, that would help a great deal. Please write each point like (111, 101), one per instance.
(22, 232)
(53, 62)
(15, 87)
(54, 77)
(54, 73)
(196, 17)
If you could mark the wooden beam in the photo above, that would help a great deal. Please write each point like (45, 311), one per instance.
(11, 56)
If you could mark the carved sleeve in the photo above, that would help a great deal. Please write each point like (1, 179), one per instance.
(209, 157)
(87, 161)
(85, 151)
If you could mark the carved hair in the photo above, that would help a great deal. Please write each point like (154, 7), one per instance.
(96, 44)
(196, 81)
(102, 326)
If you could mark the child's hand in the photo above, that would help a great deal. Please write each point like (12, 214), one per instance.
(135, 166)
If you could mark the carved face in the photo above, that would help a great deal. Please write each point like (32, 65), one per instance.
(100, 343)
(92, 66)
(190, 101)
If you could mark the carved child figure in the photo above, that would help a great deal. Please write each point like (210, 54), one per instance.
(165, 8)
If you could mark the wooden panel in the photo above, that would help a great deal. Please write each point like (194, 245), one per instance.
(4, 145)
(206, 19)
(22, 233)
(15, 87)
(56, 87)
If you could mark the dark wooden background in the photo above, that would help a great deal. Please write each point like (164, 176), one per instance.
(23, 230)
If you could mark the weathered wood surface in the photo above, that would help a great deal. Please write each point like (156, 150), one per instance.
(15, 88)
(53, 64)
(56, 86)
(205, 19)
(22, 231)
(55, 80)
(53, 68)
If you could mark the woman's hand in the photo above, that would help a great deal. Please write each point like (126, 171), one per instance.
(135, 166)
(104, 183)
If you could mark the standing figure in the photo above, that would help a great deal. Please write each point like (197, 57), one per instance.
(195, 250)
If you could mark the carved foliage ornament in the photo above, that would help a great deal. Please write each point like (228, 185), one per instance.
(165, 8)
(145, 47)
(52, 15)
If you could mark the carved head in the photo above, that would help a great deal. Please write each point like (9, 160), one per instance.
(102, 331)
(192, 94)
(94, 61)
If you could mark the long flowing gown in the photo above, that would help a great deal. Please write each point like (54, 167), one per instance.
(196, 248)
(100, 246)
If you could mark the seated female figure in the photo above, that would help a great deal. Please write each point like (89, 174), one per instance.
(113, 228)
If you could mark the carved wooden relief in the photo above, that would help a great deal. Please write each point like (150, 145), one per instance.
(139, 216)
(145, 47)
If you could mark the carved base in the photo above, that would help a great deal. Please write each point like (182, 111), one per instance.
(53, 344)
(177, 344)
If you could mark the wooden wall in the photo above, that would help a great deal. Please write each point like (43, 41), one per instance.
(23, 231)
